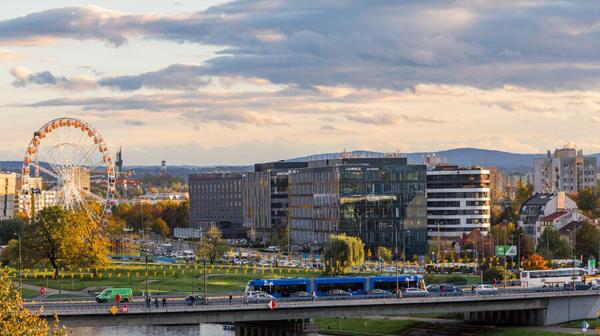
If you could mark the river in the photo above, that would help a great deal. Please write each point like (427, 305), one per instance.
(182, 330)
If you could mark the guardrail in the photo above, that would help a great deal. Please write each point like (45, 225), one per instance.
(49, 308)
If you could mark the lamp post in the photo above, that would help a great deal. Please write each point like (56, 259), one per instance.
(396, 268)
(20, 267)
(404, 248)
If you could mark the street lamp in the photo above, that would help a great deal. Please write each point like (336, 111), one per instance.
(404, 248)
(20, 262)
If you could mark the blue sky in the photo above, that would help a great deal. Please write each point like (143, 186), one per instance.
(247, 81)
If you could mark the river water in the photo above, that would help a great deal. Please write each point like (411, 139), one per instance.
(183, 330)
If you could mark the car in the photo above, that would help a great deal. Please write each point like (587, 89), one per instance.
(338, 292)
(259, 297)
(192, 300)
(595, 284)
(414, 292)
(486, 290)
(380, 293)
(111, 294)
(301, 294)
(578, 286)
(445, 290)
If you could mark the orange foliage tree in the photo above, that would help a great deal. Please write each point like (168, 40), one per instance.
(535, 262)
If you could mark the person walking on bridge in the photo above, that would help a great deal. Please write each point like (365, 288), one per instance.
(164, 302)
(156, 303)
(148, 302)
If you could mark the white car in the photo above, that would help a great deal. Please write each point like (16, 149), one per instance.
(414, 292)
(258, 297)
(486, 289)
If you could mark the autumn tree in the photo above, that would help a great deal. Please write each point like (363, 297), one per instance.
(343, 252)
(160, 227)
(88, 242)
(384, 253)
(552, 245)
(535, 262)
(15, 319)
(213, 246)
(10, 254)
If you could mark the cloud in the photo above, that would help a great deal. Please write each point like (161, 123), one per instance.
(8, 55)
(134, 122)
(355, 44)
(23, 77)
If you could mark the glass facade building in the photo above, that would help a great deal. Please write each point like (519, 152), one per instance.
(380, 200)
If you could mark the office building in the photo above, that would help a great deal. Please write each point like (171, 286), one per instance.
(546, 209)
(458, 201)
(380, 200)
(265, 200)
(8, 195)
(216, 198)
(565, 170)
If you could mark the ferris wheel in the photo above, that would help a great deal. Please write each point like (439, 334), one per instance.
(68, 163)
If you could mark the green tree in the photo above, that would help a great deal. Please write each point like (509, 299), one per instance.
(10, 254)
(342, 253)
(213, 246)
(523, 243)
(9, 228)
(551, 245)
(522, 194)
(587, 239)
(46, 239)
(384, 253)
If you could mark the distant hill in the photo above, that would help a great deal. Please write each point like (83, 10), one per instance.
(459, 156)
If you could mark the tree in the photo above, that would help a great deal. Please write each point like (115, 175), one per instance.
(160, 227)
(551, 245)
(522, 194)
(535, 262)
(342, 253)
(9, 228)
(213, 246)
(523, 242)
(45, 240)
(384, 253)
(88, 242)
(586, 240)
(15, 319)
(10, 254)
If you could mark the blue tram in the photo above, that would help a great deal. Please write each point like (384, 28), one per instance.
(356, 285)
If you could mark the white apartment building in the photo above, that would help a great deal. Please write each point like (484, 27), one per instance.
(8, 194)
(565, 170)
(458, 201)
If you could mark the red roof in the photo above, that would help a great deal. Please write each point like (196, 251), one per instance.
(553, 216)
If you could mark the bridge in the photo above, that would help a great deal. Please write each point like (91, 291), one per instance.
(293, 317)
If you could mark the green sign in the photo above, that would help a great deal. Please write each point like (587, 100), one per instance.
(591, 263)
(506, 250)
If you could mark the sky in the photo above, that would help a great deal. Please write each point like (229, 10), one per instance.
(238, 82)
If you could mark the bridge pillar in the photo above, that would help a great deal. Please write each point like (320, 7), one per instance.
(277, 328)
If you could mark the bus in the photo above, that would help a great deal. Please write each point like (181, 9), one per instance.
(355, 285)
(552, 277)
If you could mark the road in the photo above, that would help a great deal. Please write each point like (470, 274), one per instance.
(238, 303)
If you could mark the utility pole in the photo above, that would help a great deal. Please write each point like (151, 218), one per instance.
(204, 264)
(146, 243)
(437, 258)
(396, 237)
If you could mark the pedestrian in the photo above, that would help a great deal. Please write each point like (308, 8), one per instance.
(494, 282)
(164, 302)
(156, 302)
(472, 289)
(230, 299)
(148, 302)
(314, 296)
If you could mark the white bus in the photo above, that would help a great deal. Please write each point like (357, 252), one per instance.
(560, 276)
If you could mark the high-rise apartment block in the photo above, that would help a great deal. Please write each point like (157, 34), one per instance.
(8, 195)
(565, 170)
(265, 199)
(216, 198)
(458, 201)
(380, 200)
